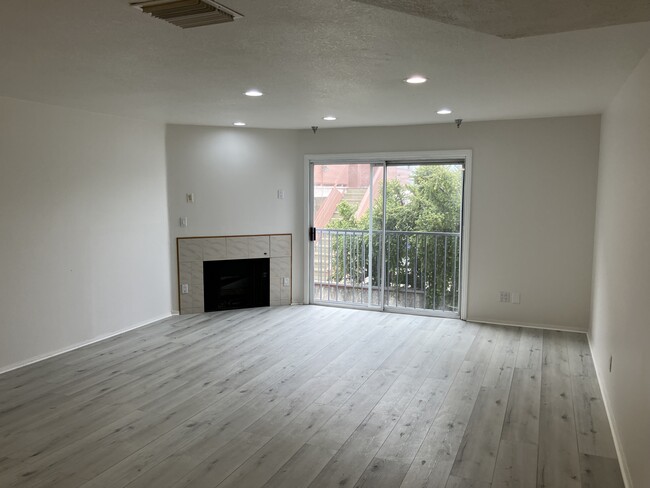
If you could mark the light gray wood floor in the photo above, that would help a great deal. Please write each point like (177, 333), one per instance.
(310, 397)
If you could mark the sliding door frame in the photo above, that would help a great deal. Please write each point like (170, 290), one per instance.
(413, 157)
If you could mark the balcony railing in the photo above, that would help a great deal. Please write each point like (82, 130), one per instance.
(422, 269)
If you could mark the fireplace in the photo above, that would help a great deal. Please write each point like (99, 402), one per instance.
(193, 252)
(236, 283)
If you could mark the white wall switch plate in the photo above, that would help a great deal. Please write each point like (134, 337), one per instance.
(280, 194)
(183, 222)
(504, 296)
(185, 288)
(285, 281)
(189, 197)
(515, 297)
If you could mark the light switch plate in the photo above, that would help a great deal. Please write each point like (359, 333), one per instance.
(185, 288)
(285, 281)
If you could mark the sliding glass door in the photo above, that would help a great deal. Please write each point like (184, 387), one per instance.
(387, 234)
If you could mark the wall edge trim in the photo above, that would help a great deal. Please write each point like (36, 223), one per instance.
(79, 345)
(622, 459)
(561, 328)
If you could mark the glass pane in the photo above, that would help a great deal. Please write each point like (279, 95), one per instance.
(347, 254)
(423, 236)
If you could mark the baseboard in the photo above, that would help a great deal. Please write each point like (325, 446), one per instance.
(528, 325)
(622, 460)
(42, 357)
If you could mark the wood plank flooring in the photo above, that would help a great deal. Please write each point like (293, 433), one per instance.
(310, 397)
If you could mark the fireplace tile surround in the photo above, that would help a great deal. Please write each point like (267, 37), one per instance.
(193, 251)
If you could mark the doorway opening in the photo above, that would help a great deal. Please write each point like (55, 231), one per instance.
(390, 233)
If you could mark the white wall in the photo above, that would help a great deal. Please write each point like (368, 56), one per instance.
(84, 247)
(532, 215)
(621, 288)
(533, 200)
(235, 174)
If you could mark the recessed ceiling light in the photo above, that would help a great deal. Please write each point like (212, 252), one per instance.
(444, 111)
(253, 93)
(415, 80)
(329, 117)
(239, 124)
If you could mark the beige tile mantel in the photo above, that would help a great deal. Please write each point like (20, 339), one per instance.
(193, 251)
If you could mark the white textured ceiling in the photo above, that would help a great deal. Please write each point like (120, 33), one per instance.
(310, 57)
(511, 19)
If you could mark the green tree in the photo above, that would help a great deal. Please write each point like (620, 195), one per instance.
(437, 194)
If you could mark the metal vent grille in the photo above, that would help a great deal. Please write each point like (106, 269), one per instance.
(187, 13)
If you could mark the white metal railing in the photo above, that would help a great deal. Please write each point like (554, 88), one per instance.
(422, 269)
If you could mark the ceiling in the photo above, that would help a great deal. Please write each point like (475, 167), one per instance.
(511, 19)
(311, 58)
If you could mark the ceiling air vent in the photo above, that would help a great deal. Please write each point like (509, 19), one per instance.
(188, 13)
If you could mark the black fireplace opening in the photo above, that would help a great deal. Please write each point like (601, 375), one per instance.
(236, 283)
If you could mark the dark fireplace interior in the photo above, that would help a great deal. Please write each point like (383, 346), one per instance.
(237, 283)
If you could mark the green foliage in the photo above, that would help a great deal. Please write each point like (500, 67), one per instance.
(437, 193)
(432, 203)
(346, 218)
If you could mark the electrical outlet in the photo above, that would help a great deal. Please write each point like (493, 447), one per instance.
(185, 288)
(504, 296)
